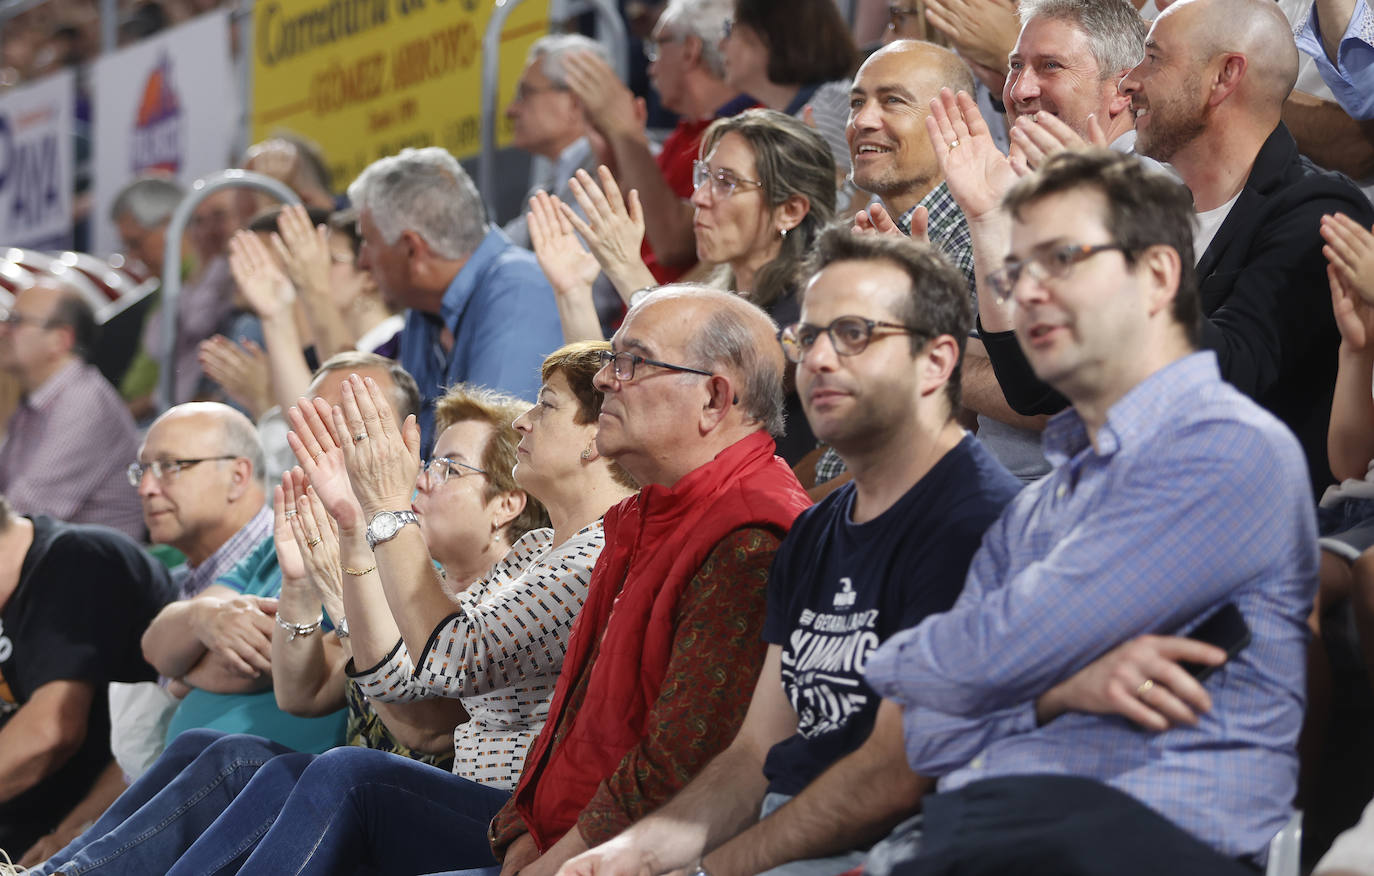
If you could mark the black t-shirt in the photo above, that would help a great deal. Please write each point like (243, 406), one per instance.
(839, 589)
(84, 598)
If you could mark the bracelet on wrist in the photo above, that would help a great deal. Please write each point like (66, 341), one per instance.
(298, 629)
(358, 573)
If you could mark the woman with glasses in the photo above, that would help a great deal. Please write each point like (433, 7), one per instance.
(765, 188)
(497, 644)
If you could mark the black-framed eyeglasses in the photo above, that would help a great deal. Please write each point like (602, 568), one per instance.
(14, 319)
(441, 468)
(849, 335)
(1048, 263)
(723, 182)
(623, 365)
(165, 468)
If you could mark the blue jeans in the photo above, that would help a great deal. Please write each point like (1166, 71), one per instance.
(153, 822)
(358, 810)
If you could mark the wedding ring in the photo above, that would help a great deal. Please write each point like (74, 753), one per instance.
(953, 144)
(289, 514)
(360, 438)
(314, 541)
(1145, 687)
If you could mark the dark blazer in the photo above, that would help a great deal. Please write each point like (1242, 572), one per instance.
(1264, 296)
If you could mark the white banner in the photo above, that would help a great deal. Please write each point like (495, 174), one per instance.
(166, 105)
(36, 163)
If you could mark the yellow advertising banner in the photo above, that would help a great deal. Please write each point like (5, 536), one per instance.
(365, 78)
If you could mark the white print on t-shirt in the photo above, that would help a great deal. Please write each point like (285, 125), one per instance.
(6, 646)
(822, 665)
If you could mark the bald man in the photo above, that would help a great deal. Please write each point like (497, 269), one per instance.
(1207, 100)
(67, 443)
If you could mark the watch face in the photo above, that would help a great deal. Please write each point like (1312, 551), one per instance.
(384, 526)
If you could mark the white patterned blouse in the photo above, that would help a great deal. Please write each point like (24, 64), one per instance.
(500, 653)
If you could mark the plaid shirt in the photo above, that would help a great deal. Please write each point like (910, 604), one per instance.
(249, 536)
(947, 229)
(65, 451)
(1192, 497)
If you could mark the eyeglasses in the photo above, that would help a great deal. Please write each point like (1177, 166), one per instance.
(524, 92)
(723, 182)
(165, 469)
(849, 335)
(14, 319)
(623, 365)
(1052, 263)
(653, 46)
(441, 468)
(897, 15)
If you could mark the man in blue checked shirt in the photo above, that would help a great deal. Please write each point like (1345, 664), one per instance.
(1049, 701)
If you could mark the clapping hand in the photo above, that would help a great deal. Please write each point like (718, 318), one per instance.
(261, 282)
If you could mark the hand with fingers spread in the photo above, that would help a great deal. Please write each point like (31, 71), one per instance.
(1350, 251)
(262, 283)
(304, 250)
(571, 269)
(982, 31)
(613, 229)
(321, 460)
(239, 629)
(876, 220)
(242, 371)
(1141, 680)
(976, 171)
(610, 106)
(1040, 135)
(382, 462)
(317, 539)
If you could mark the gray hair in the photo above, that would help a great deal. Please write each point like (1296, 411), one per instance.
(149, 201)
(550, 51)
(705, 20)
(425, 191)
(728, 339)
(405, 393)
(1115, 31)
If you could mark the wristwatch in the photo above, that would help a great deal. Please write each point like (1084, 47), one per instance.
(385, 524)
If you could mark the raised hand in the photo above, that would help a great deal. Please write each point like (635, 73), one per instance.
(317, 539)
(610, 107)
(262, 283)
(304, 249)
(613, 229)
(382, 462)
(876, 220)
(1040, 135)
(321, 459)
(567, 264)
(1350, 251)
(242, 372)
(983, 31)
(976, 171)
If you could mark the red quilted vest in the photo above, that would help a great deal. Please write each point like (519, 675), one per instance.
(655, 543)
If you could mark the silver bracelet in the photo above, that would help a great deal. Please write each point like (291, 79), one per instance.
(298, 629)
(639, 294)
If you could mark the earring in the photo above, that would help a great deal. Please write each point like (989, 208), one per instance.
(586, 454)
(783, 233)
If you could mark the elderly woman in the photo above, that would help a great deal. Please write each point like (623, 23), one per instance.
(498, 644)
(765, 186)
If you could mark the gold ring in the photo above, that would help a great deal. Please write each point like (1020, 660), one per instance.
(314, 541)
(1145, 687)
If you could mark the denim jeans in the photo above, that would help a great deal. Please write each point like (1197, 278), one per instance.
(357, 810)
(153, 822)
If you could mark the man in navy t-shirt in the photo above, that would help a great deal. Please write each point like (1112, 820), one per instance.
(877, 351)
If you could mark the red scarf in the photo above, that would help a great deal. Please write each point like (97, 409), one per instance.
(655, 543)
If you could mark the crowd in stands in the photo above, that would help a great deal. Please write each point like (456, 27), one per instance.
(945, 458)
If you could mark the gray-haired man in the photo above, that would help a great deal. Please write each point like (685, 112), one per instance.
(480, 310)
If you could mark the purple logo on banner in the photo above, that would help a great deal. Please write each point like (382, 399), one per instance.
(157, 142)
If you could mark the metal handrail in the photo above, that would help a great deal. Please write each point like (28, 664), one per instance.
(613, 32)
(171, 260)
